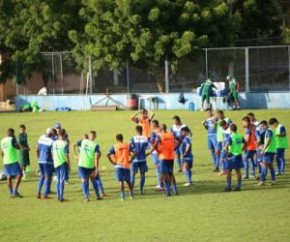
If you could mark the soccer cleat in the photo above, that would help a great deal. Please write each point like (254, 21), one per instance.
(66, 182)
(216, 170)
(38, 196)
(245, 177)
(252, 176)
(222, 173)
(99, 198)
(278, 173)
(187, 184)
(237, 189)
(228, 189)
(141, 192)
(159, 189)
(104, 195)
(261, 183)
(46, 197)
(86, 199)
(273, 183)
(16, 194)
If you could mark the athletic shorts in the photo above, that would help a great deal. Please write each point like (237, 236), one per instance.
(234, 162)
(212, 142)
(154, 157)
(219, 146)
(249, 154)
(141, 166)
(122, 174)
(61, 172)
(280, 153)
(24, 158)
(259, 156)
(166, 166)
(234, 96)
(85, 172)
(268, 157)
(188, 162)
(46, 169)
(223, 155)
(12, 169)
(205, 97)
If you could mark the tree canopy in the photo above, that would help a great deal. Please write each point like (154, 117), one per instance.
(113, 32)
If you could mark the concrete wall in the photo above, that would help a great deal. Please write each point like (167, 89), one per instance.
(165, 101)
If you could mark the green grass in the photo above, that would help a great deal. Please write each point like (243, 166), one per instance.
(202, 212)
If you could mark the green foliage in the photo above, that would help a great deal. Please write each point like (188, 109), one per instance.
(150, 31)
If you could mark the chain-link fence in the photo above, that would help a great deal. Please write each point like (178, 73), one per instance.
(258, 69)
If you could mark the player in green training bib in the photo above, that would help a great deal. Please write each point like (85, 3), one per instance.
(281, 144)
(206, 91)
(10, 147)
(61, 162)
(88, 163)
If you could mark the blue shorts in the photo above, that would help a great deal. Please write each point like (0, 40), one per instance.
(249, 154)
(268, 157)
(61, 172)
(122, 174)
(166, 166)
(154, 157)
(259, 156)
(85, 172)
(280, 153)
(223, 154)
(212, 142)
(188, 162)
(46, 170)
(178, 151)
(142, 166)
(219, 146)
(234, 162)
(12, 169)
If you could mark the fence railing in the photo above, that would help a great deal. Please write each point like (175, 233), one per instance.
(258, 69)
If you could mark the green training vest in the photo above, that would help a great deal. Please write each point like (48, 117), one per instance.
(59, 152)
(236, 147)
(87, 154)
(272, 145)
(10, 152)
(281, 142)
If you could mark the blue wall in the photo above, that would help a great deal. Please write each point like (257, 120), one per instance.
(165, 101)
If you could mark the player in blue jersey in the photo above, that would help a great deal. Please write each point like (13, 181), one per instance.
(260, 138)
(220, 135)
(176, 130)
(226, 135)
(45, 162)
(139, 143)
(211, 127)
(187, 156)
(154, 155)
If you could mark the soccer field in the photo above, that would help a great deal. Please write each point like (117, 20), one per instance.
(202, 212)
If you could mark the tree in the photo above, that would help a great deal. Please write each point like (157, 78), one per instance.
(29, 27)
(148, 32)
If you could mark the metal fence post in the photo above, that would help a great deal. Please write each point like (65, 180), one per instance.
(128, 77)
(90, 75)
(61, 72)
(166, 77)
(289, 65)
(206, 64)
(52, 72)
(247, 78)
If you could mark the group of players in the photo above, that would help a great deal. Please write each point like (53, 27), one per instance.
(261, 143)
(229, 149)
